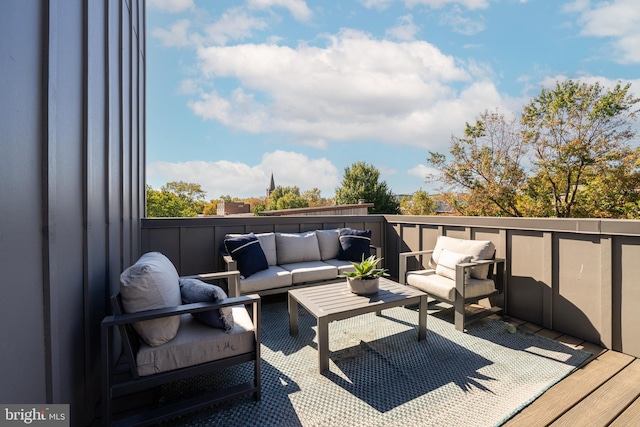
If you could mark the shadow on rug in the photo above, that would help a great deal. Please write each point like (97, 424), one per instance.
(381, 375)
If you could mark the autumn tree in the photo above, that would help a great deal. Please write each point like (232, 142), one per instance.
(314, 198)
(580, 135)
(418, 204)
(487, 164)
(175, 199)
(362, 181)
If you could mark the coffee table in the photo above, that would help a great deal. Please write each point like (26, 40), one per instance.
(334, 301)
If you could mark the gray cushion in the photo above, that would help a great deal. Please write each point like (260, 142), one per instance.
(444, 288)
(343, 266)
(297, 247)
(447, 263)
(197, 343)
(152, 282)
(329, 243)
(478, 249)
(194, 290)
(311, 271)
(271, 278)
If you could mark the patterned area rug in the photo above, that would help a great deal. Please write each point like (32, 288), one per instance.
(381, 375)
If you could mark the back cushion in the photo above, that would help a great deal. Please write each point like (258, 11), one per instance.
(447, 263)
(267, 242)
(329, 243)
(297, 247)
(152, 282)
(478, 249)
(354, 244)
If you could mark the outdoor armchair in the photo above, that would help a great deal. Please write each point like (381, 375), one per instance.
(460, 272)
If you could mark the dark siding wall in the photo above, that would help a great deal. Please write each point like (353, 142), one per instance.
(72, 173)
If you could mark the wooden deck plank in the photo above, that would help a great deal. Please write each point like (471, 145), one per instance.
(630, 417)
(569, 392)
(605, 404)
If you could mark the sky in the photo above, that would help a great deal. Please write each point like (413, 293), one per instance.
(302, 89)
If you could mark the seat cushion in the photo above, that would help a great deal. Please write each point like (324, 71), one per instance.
(478, 249)
(271, 278)
(194, 290)
(342, 265)
(443, 288)
(297, 247)
(198, 343)
(311, 271)
(329, 243)
(354, 244)
(246, 250)
(152, 282)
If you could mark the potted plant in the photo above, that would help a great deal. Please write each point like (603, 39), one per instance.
(365, 279)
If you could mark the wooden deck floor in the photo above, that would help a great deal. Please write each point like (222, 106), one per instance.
(604, 391)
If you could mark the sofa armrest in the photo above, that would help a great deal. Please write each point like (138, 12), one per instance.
(375, 250)
(404, 257)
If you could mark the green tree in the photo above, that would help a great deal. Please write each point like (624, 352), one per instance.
(286, 198)
(361, 181)
(486, 164)
(418, 204)
(580, 132)
(314, 198)
(175, 199)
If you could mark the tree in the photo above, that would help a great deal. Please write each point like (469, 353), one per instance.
(175, 199)
(579, 134)
(418, 204)
(314, 199)
(486, 163)
(286, 198)
(211, 208)
(360, 181)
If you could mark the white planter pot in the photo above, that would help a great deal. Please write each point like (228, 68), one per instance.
(363, 287)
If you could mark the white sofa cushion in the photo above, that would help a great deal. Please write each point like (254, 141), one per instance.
(271, 278)
(447, 263)
(478, 249)
(342, 265)
(152, 282)
(197, 343)
(444, 288)
(297, 247)
(311, 271)
(329, 243)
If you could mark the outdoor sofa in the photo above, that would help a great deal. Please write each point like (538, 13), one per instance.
(276, 262)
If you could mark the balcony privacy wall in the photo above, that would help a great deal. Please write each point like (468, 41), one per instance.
(578, 276)
(72, 173)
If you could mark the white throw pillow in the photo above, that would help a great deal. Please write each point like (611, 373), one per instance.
(478, 249)
(329, 242)
(152, 282)
(297, 247)
(447, 263)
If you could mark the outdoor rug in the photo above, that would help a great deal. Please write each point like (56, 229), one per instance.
(381, 375)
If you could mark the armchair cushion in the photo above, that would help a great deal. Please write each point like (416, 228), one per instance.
(447, 263)
(443, 288)
(152, 282)
(197, 343)
(194, 290)
(329, 243)
(246, 250)
(478, 249)
(354, 244)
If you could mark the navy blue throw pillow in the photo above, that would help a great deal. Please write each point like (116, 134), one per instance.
(194, 290)
(246, 250)
(354, 244)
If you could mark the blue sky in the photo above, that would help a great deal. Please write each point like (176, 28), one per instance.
(237, 90)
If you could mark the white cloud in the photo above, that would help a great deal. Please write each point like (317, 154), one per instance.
(298, 8)
(618, 20)
(175, 36)
(435, 4)
(461, 24)
(234, 24)
(406, 29)
(355, 88)
(242, 180)
(171, 6)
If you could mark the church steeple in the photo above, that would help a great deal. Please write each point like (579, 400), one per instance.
(272, 186)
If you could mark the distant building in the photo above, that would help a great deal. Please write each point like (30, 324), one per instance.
(233, 208)
(272, 186)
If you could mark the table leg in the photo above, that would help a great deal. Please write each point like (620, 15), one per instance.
(323, 344)
(293, 315)
(422, 318)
